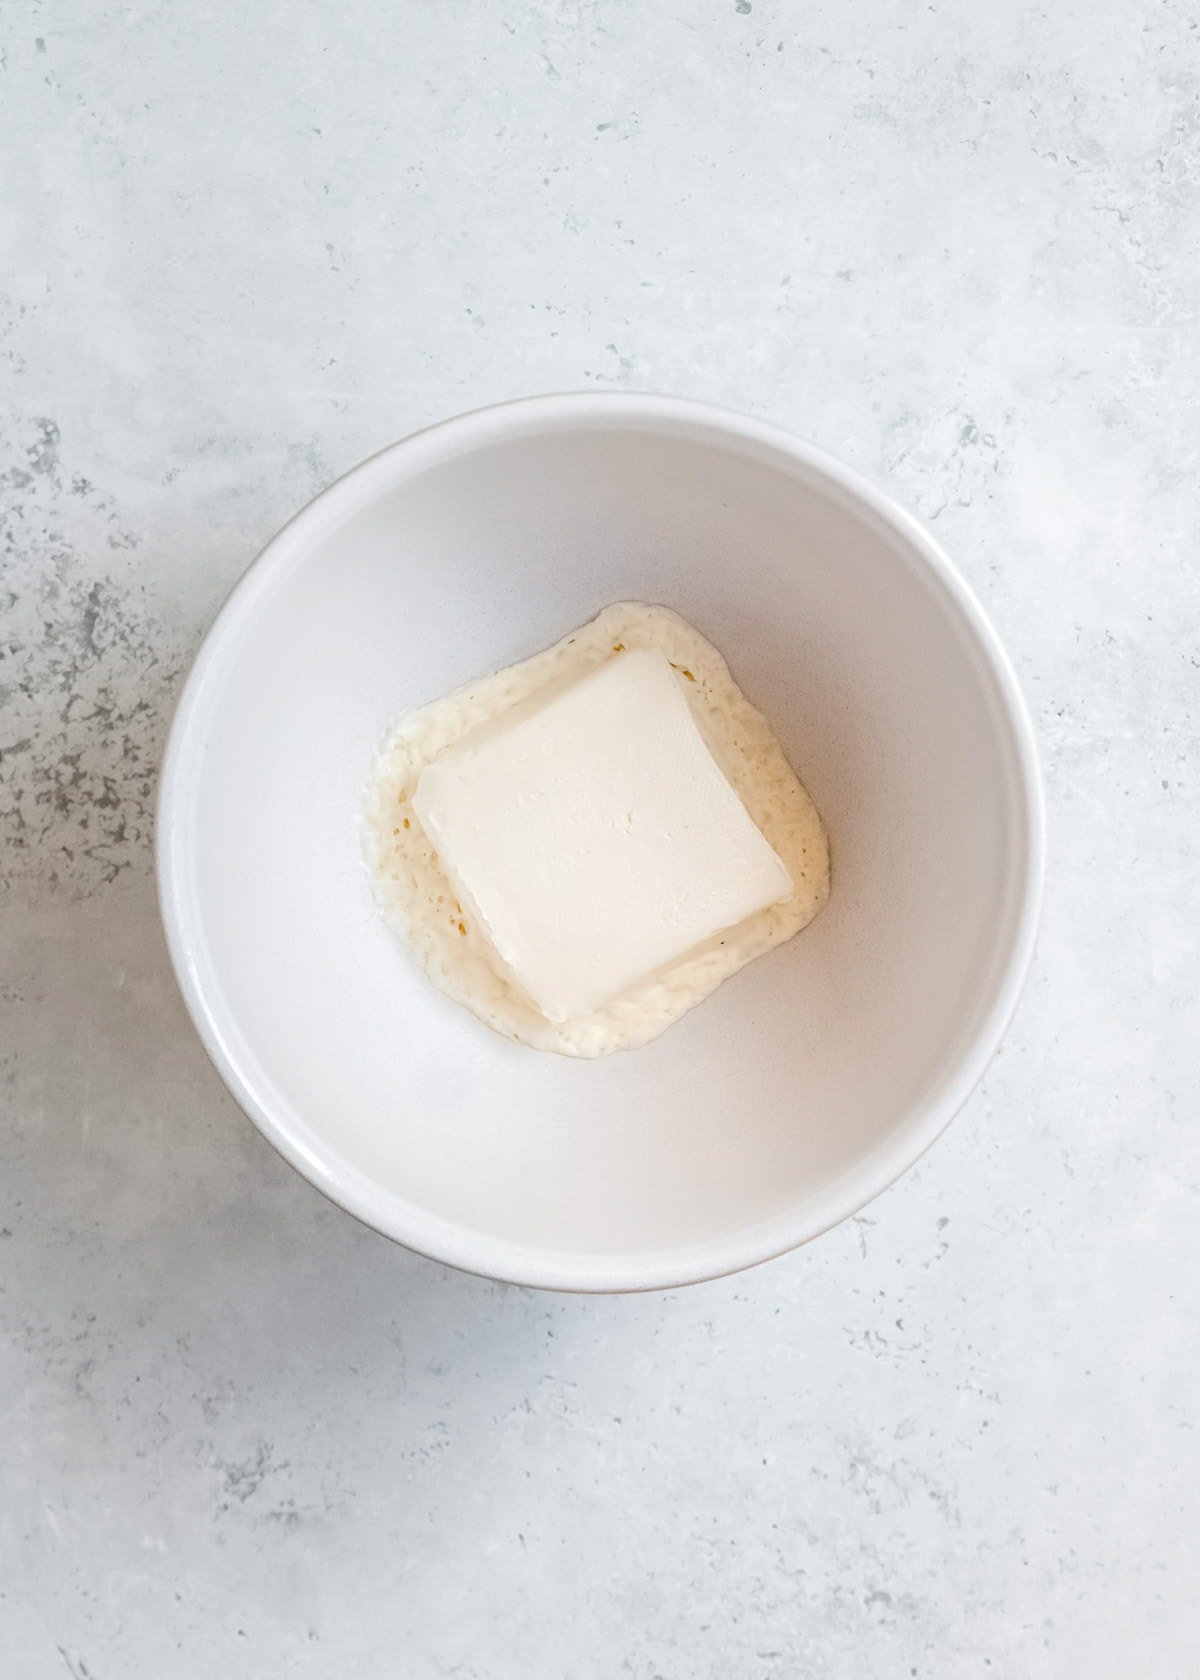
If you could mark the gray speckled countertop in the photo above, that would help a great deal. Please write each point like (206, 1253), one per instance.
(244, 247)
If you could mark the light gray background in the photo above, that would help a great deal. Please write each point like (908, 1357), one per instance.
(244, 246)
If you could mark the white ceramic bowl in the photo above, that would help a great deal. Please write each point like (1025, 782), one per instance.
(805, 1085)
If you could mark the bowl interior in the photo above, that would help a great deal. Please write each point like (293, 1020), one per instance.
(806, 1082)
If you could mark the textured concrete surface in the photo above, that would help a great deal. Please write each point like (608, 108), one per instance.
(243, 247)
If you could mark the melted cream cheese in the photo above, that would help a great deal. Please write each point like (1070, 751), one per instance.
(419, 903)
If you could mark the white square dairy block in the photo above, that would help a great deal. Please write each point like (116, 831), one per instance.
(595, 839)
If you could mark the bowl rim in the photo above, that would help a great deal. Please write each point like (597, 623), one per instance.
(459, 1246)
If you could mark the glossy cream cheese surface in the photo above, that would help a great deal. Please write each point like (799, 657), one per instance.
(594, 839)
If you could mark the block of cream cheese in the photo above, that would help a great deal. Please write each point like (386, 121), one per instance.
(594, 838)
